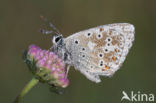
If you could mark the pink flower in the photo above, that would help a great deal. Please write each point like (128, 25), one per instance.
(47, 66)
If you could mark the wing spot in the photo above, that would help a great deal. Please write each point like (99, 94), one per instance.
(107, 67)
(88, 34)
(108, 44)
(83, 55)
(114, 58)
(95, 76)
(83, 49)
(116, 50)
(100, 55)
(101, 64)
(99, 36)
(106, 50)
(108, 39)
(110, 33)
(101, 29)
(76, 42)
(120, 44)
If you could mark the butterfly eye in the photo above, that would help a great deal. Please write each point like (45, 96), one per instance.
(58, 38)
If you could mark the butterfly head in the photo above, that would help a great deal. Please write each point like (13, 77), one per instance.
(60, 48)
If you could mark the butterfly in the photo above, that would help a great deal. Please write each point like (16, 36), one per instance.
(95, 52)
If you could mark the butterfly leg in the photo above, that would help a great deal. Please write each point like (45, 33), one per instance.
(51, 48)
(68, 67)
(57, 90)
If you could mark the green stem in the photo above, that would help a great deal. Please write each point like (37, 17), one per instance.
(26, 89)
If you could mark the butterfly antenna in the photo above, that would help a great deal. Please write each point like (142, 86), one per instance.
(45, 31)
(56, 31)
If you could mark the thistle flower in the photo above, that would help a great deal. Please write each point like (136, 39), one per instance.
(46, 66)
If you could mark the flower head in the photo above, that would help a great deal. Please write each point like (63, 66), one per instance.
(46, 66)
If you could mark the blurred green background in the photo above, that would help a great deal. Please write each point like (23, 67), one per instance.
(20, 20)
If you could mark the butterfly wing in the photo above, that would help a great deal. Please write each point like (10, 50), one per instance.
(100, 50)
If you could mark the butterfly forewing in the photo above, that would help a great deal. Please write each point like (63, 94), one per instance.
(100, 50)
